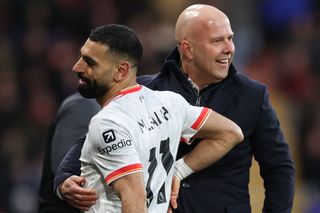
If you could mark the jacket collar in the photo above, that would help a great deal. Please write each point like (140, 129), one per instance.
(224, 91)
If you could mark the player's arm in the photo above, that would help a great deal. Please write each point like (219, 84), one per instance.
(120, 168)
(220, 135)
(131, 191)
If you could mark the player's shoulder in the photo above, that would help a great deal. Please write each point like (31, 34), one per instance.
(174, 98)
(113, 112)
(165, 94)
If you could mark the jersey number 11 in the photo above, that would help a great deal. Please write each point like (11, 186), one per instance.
(167, 162)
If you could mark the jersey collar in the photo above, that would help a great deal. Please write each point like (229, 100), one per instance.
(128, 90)
(123, 92)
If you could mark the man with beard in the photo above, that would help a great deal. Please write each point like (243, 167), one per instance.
(200, 69)
(129, 152)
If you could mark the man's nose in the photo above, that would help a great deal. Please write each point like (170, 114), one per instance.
(77, 67)
(229, 47)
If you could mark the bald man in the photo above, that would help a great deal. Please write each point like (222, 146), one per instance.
(204, 38)
(200, 69)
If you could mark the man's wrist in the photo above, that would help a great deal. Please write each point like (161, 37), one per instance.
(181, 169)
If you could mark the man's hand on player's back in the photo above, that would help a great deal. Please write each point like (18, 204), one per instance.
(72, 192)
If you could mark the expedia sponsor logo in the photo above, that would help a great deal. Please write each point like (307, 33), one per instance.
(108, 136)
(121, 144)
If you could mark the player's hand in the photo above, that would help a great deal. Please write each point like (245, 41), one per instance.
(174, 194)
(71, 191)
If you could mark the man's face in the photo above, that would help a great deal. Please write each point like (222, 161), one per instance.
(95, 70)
(213, 49)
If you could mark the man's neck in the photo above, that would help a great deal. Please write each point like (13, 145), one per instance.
(191, 78)
(113, 91)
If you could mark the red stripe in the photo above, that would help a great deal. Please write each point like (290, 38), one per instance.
(183, 140)
(123, 92)
(123, 171)
(130, 90)
(203, 115)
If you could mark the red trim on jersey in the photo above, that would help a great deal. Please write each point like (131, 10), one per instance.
(183, 140)
(123, 92)
(128, 90)
(123, 171)
(188, 142)
(202, 117)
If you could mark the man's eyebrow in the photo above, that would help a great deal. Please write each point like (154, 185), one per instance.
(89, 60)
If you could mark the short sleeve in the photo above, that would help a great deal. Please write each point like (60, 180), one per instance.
(193, 117)
(113, 150)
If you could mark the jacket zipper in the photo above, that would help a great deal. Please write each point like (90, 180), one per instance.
(197, 92)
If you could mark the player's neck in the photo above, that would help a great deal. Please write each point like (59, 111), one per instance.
(113, 91)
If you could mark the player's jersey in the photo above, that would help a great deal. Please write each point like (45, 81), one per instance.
(138, 130)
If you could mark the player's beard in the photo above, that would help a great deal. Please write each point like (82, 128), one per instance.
(91, 89)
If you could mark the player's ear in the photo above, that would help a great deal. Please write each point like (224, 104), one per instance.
(122, 71)
(186, 49)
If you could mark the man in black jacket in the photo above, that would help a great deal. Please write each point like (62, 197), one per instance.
(70, 124)
(200, 70)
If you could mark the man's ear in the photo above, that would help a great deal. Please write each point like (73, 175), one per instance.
(122, 71)
(186, 49)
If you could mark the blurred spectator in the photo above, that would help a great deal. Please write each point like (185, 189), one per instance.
(309, 126)
(278, 16)
(99, 16)
(60, 59)
(9, 98)
(296, 77)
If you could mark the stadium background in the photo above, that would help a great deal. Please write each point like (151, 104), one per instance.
(277, 42)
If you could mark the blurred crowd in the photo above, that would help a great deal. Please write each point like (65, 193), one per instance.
(277, 42)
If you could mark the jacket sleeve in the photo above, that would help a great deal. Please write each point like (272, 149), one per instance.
(72, 123)
(276, 166)
(146, 80)
(70, 164)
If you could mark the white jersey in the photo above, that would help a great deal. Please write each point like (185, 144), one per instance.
(138, 130)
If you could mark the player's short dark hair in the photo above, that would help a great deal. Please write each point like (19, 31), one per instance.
(120, 39)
